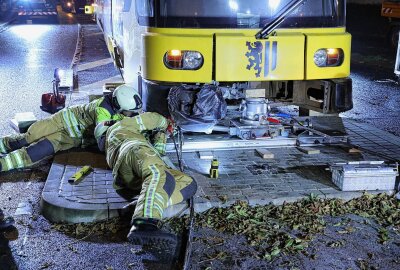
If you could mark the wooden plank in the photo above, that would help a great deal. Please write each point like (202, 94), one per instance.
(309, 150)
(206, 155)
(351, 150)
(265, 154)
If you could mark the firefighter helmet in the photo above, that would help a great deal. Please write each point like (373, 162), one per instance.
(126, 98)
(100, 129)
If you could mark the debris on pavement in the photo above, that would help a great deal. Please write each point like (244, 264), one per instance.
(114, 230)
(274, 233)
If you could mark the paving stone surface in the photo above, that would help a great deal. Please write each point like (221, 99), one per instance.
(373, 139)
(243, 175)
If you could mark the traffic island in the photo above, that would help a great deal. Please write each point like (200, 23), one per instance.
(92, 199)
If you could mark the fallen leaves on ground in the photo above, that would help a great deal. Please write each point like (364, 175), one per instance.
(113, 229)
(275, 230)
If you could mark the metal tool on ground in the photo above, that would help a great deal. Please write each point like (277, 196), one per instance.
(255, 120)
(78, 176)
(364, 175)
(214, 168)
(318, 137)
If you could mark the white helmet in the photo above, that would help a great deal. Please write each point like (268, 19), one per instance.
(126, 98)
(100, 129)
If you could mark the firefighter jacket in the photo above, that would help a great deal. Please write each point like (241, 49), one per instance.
(68, 128)
(138, 168)
(135, 131)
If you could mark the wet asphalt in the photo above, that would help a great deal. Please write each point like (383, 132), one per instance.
(28, 56)
(376, 92)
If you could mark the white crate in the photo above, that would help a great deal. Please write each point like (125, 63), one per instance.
(22, 121)
(364, 175)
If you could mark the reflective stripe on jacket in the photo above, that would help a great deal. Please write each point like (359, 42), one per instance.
(72, 124)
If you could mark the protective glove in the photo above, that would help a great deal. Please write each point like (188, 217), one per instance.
(171, 129)
(109, 123)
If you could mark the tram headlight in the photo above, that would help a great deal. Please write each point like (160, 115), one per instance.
(320, 58)
(183, 60)
(331, 57)
(192, 60)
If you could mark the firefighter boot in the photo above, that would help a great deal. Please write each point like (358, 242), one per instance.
(6, 259)
(5, 222)
(7, 229)
(146, 232)
(7, 233)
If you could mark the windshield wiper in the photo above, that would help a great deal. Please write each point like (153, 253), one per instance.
(279, 18)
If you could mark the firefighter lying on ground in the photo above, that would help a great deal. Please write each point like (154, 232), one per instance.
(138, 169)
(68, 128)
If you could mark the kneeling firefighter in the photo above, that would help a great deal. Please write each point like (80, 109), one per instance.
(133, 149)
(68, 128)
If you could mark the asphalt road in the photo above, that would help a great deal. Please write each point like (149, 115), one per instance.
(29, 55)
(376, 93)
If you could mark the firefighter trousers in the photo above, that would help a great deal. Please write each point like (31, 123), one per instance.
(42, 140)
(142, 169)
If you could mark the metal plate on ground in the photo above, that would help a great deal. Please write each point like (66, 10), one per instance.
(330, 125)
(195, 143)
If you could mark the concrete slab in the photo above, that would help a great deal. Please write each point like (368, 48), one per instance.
(243, 175)
(85, 202)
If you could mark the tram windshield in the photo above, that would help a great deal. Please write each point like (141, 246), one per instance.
(238, 13)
